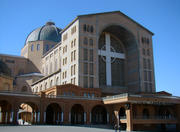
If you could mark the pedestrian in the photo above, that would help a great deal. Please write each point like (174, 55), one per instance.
(115, 127)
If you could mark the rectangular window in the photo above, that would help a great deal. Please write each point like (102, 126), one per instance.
(149, 76)
(74, 81)
(145, 75)
(71, 70)
(91, 82)
(85, 54)
(91, 69)
(75, 55)
(71, 56)
(146, 87)
(85, 68)
(90, 55)
(85, 82)
(74, 69)
(38, 47)
(144, 63)
(149, 64)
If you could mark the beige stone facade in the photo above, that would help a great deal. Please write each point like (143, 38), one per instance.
(99, 69)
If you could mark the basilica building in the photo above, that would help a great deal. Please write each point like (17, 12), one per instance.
(98, 70)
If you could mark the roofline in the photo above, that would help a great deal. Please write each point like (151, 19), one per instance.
(41, 79)
(121, 14)
(63, 30)
(15, 56)
(59, 43)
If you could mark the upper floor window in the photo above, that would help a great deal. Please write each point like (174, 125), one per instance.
(85, 41)
(47, 47)
(32, 47)
(38, 47)
(91, 42)
(84, 27)
(92, 29)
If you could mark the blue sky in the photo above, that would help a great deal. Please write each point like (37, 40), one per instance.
(19, 17)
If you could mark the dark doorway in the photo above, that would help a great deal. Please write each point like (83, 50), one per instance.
(77, 114)
(99, 115)
(53, 113)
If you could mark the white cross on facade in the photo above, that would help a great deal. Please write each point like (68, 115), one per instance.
(108, 54)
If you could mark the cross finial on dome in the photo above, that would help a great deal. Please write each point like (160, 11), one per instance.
(50, 22)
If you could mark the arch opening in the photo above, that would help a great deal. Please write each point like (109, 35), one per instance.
(53, 113)
(99, 115)
(6, 115)
(77, 114)
(28, 114)
(118, 53)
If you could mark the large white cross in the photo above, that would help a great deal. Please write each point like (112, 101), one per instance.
(108, 54)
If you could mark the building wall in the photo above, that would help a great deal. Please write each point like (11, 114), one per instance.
(6, 83)
(99, 23)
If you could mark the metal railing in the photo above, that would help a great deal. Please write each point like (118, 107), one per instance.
(115, 97)
(155, 117)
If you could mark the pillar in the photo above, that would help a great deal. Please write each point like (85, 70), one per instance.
(62, 117)
(44, 117)
(129, 117)
(85, 117)
(69, 117)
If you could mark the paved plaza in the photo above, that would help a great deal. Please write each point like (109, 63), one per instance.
(52, 129)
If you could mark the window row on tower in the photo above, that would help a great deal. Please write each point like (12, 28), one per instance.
(88, 28)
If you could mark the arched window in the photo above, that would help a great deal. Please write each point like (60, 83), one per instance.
(47, 47)
(92, 29)
(51, 83)
(145, 113)
(84, 27)
(45, 87)
(91, 42)
(85, 41)
(41, 88)
(38, 47)
(32, 47)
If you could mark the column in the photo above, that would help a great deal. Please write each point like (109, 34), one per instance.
(0, 117)
(6, 115)
(12, 116)
(35, 115)
(17, 117)
(32, 114)
(107, 117)
(129, 118)
(84, 117)
(38, 117)
(69, 117)
(90, 117)
(44, 117)
(58, 118)
(62, 117)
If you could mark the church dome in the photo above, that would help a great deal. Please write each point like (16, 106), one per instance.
(47, 32)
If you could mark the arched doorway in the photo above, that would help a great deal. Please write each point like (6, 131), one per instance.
(28, 114)
(145, 113)
(53, 113)
(122, 113)
(77, 114)
(117, 47)
(99, 115)
(6, 114)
